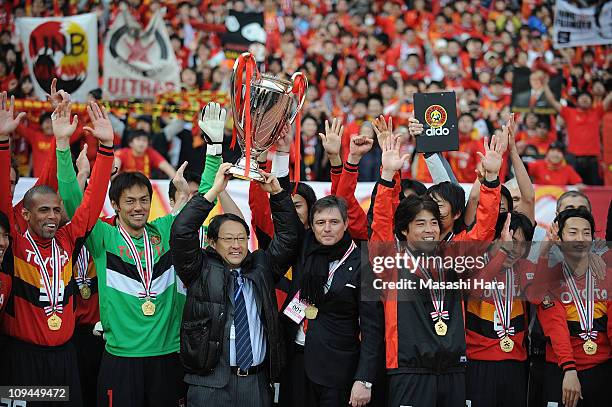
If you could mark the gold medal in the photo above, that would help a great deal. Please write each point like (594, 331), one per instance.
(590, 347)
(148, 308)
(54, 322)
(311, 312)
(506, 344)
(441, 328)
(85, 292)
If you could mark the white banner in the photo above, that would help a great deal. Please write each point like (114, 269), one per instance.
(575, 26)
(65, 48)
(139, 63)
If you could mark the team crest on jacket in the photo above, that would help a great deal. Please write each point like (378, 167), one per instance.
(155, 240)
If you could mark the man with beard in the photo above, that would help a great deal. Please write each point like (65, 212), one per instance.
(40, 313)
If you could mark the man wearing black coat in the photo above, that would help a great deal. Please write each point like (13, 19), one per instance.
(334, 337)
(231, 343)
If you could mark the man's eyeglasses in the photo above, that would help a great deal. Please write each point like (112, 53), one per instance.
(231, 239)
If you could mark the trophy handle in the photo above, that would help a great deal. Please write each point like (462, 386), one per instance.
(299, 85)
(236, 98)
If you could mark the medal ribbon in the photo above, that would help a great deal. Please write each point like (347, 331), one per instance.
(52, 288)
(82, 262)
(330, 276)
(145, 273)
(437, 295)
(585, 311)
(503, 306)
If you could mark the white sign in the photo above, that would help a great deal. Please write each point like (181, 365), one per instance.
(575, 26)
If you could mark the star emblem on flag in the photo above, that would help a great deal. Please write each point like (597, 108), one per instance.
(138, 51)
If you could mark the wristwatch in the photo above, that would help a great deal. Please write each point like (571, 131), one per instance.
(367, 385)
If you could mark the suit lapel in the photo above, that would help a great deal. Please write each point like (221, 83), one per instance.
(343, 274)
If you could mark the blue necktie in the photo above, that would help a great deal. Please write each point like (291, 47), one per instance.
(244, 352)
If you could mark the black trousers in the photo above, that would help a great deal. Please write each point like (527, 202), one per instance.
(536, 382)
(297, 390)
(587, 167)
(496, 383)
(89, 350)
(594, 383)
(25, 364)
(426, 390)
(155, 381)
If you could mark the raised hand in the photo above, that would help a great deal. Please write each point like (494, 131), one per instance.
(102, 128)
(212, 122)
(220, 182)
(415, 128)
(8, 124)
(56, 97)
(332, 139)
(511, 126)
(392, 161)
(283, 144)
(63, 128)
(382, 129)
(492, 159)
(359, 146)
(270, 183)
(179, 181)
(82, 163)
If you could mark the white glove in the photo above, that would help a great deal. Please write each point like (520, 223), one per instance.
(98, 330)
(212, 122)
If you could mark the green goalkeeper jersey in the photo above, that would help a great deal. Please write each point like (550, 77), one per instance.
(128, 331)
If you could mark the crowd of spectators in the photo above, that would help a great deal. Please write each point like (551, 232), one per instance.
(364, 59)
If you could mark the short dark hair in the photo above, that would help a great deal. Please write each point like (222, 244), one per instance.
(328, 202)
(455, 196)
(518, 221)
(408, 209)
(137, 133)
(127, 180)
(362, 101)
(418, 187)
(189, 176)
(573, 194)
(4, 223)
(36, 190)
(96, 93)
(505, 192)
(215, 224)
(563, 216)
(44, 116)
(306, 192)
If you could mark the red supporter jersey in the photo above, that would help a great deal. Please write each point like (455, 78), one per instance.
(583, 128)
(463, 162)
(146, 163)
(544, 173)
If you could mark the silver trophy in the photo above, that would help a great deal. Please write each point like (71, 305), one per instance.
(274, 103)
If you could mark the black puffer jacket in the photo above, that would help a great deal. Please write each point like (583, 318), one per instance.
(208, 280)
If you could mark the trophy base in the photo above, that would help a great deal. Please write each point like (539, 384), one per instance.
(237, 171)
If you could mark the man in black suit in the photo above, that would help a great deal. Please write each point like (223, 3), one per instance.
(334, 337)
